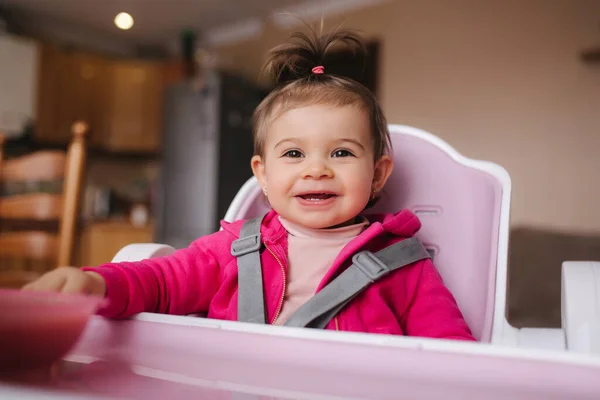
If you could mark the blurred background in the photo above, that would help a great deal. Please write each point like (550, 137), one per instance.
(168, 87)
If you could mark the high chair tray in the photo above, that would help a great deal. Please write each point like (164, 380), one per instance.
(161, 357)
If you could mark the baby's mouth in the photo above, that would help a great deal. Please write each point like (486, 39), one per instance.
(316, 196)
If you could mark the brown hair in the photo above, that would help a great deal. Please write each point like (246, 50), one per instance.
(291, 65)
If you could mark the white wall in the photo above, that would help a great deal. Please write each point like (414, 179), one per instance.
(503, 82)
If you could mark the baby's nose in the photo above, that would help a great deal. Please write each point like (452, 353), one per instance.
(318, 169)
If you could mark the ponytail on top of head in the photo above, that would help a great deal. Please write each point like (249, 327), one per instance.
(300, 70)
(306, 55)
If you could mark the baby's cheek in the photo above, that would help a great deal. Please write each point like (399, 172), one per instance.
(362, 183)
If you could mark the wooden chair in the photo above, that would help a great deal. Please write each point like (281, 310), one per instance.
(30, 211)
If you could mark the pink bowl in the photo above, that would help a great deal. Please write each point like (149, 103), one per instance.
(37, 329)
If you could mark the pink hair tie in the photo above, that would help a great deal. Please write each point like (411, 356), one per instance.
(319, 69)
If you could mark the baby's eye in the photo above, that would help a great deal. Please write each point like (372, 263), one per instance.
(292, 154)
(342, 153)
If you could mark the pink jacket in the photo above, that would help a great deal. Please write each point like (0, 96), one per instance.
(202, 278)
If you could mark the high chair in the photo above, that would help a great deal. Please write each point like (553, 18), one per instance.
(464, 207)
(34, 211)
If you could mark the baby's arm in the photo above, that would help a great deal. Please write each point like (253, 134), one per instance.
(181, 283)
(433, 311)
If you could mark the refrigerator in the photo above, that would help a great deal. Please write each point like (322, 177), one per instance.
(206, 152)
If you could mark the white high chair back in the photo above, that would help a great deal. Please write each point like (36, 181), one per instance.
(463, 205)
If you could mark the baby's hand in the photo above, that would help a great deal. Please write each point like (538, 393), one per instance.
(69, 280)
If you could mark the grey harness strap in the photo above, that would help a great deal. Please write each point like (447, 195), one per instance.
(366, 268)
(251, 304)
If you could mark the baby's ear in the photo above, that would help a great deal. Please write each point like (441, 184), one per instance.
(258, 169)
(383, 170)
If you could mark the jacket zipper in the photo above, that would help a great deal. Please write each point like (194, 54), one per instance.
(284, 285)
(337, 326)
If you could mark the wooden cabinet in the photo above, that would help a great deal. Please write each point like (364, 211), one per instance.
(134, 113)
(71, 86)
(52, 61)
(120, 99)
(83, 93)
(100, 241)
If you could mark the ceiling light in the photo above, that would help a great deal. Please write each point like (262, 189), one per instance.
(123, 21)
